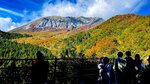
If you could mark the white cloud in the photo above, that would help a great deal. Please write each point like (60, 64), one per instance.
(13, 26)
(7, 24)
(12, 12)
(90, 8)
(30, 16)
(97, 8)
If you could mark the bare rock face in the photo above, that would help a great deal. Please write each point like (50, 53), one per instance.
(57, 22)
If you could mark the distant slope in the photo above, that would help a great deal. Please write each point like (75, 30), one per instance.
(53, 23)
(10, 49)
(119, 33)
(5, 35)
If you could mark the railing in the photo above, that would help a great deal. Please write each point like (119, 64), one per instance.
(64, 71)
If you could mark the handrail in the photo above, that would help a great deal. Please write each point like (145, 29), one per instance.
(72, 68)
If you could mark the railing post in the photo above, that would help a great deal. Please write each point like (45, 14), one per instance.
(13, 66)
(81, 70)
(55, 65)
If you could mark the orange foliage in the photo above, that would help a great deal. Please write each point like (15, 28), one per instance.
(103, 47)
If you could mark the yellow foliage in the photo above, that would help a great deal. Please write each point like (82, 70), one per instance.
(147, 52)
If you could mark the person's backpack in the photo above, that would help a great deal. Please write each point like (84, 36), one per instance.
(120, 64)
(100, 67)
(103, 72)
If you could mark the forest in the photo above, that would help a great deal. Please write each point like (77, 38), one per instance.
(119, 33)
(11, 49)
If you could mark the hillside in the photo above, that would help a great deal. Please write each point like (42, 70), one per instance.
(9, 49)
(5, 35)
(53, 23)
(119, 33)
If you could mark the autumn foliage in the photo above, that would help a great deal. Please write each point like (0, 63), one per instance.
(119, 33)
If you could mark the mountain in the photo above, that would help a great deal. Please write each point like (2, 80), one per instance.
(53, 23)
(119, 33)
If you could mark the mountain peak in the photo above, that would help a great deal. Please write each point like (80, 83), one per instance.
(57, 22)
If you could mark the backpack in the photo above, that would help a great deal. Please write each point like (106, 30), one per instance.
(120, 64)
(103, 72)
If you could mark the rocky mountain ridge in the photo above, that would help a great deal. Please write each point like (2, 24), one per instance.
(57, 22)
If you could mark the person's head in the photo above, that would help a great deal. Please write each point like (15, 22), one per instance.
(101, 59)
(128, 53)
(120, 54)
(40, 55)
(137, 57)
(148, 59)
(106, 60)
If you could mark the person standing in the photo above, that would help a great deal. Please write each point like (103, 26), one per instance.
(146, 73)
(39, 69)
(139, 67)
(105, 69)
(130, 69)
(100, 67)
(119, 68)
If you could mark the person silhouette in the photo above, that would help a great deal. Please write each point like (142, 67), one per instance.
(100, 67)
(105, 68)
(39, 69)
(139, 66)
(130, 69)
(146, 73)
(119, 68)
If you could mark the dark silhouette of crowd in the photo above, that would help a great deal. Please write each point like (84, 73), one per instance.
(123, 70)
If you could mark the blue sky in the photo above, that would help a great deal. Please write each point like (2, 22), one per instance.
(14, 13)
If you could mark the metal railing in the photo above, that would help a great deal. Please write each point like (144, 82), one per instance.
(64, 71)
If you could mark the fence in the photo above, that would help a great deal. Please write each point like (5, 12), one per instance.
(64, 71)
